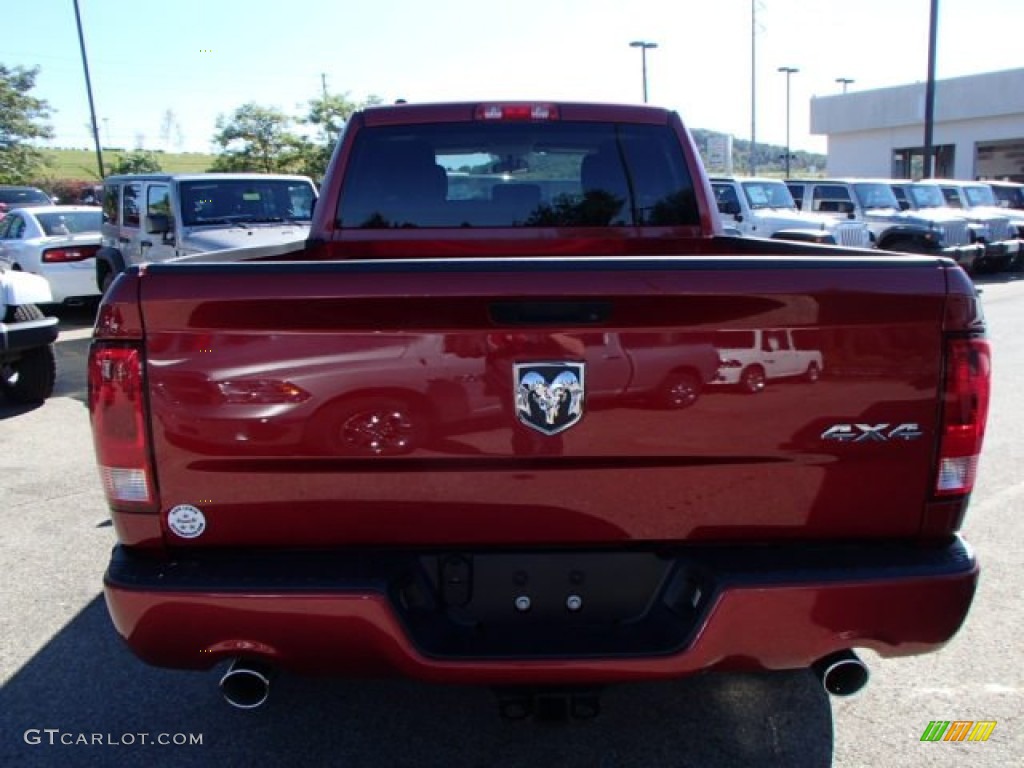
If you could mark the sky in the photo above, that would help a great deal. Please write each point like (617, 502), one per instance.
(205, 58)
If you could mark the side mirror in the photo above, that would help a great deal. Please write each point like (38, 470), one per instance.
(904, 205)
(159, 224)
(729, 207)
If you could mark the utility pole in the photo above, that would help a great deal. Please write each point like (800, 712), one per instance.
(88, 88)
(753, 86)
(789, 72)
(844, 81)
(929, 93)
(327, 122)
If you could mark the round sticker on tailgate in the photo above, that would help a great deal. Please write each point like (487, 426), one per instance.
(186, 521)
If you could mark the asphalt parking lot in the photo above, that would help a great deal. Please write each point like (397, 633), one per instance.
(67, 677)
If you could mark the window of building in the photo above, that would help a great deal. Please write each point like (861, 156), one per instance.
(908, 163)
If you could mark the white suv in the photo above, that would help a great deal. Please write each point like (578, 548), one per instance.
(765, 208)
(156, 217)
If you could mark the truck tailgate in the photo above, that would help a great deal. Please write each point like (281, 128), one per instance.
(383, 402)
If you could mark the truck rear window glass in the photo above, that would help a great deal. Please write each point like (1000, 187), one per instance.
(552, 174)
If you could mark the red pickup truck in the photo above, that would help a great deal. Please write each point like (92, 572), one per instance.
(395, 449)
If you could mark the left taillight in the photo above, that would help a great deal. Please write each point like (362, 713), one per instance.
(69, 253)
(117, 413)
(964, 414)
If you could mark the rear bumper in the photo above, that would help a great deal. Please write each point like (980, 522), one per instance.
(965, 255)
(18, 337)
(392, 613)
(72, 281)
(1002, 254)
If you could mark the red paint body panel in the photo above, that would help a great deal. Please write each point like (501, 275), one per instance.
(355, 402)
(359, 635)
(731, 466)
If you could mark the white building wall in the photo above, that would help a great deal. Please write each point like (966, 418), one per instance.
(863, 128)
(869, 153)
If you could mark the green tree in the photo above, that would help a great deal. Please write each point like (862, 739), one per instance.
(256, 138)
(329, 116)
(137, 161)
(22, 119)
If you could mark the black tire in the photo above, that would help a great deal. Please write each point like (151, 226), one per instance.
(108, 280)
(31, 377)
(753, 380)
(813, 373)
(370, 426)
(679, 390)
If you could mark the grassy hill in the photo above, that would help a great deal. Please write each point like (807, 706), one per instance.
(81, 163)
(770, 158)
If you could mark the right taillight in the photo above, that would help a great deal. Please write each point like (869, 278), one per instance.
(964, 413)
(69, 253)
(118, 425)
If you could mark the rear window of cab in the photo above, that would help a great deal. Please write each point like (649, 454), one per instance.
(516, 174)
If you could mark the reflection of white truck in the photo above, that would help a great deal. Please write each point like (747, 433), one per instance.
(664, 369)
(752, 358)
(765, 208)
(156, 217)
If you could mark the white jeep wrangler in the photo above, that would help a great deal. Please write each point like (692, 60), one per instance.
(158, 217)
(765, 208)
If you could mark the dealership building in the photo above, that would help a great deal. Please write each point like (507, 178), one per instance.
(978, 129)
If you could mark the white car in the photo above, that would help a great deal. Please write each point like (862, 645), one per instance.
(752, 358)
(58, 242)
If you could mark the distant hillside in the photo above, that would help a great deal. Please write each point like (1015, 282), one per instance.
(81, 163)
(770, 158)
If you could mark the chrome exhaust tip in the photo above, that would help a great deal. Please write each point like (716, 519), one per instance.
(841, 673)
(246, 684)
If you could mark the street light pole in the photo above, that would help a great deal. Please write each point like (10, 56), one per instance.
(844, 81)
(789, 71)
(929, 93)
(644, 46)
(88, 89)
(753, 87)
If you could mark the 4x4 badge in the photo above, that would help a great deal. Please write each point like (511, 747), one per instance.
(549, 396)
